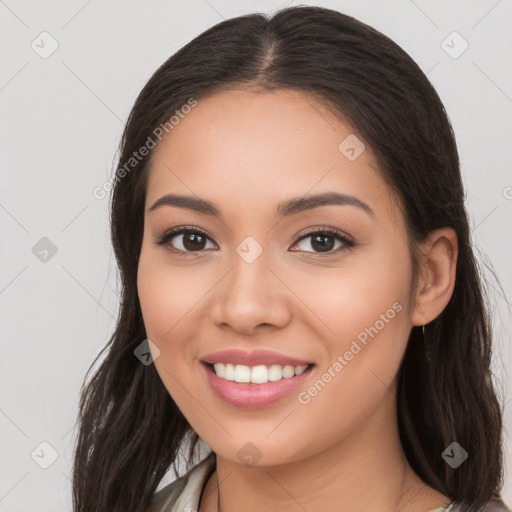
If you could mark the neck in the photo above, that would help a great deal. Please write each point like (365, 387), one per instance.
(366, 471)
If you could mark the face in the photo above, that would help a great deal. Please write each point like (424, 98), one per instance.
(325, 284)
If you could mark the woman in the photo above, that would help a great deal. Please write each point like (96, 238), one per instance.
(299, 290)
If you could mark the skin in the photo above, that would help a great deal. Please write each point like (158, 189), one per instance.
(246, 151)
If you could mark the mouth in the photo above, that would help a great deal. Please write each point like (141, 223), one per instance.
(251, 387)
(258, 374)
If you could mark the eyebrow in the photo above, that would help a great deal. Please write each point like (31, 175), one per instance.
(284, 208)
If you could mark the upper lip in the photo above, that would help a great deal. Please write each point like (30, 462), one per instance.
(256, 357)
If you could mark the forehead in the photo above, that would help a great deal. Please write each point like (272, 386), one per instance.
(248, 147)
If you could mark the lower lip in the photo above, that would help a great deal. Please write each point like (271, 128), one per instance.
(252, 396)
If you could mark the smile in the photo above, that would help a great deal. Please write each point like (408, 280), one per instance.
(246, 394)
(260, 374)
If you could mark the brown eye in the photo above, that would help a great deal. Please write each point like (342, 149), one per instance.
(184, 240)
(193, 241)
(324, 241)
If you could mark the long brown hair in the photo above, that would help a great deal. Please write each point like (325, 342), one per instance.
(130, 429)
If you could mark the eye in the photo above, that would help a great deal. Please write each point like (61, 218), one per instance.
(323, 241)
(192, 239)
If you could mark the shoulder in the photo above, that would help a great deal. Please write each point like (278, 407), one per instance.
(183, 493)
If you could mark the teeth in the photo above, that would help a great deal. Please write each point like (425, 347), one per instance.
(229, 372)
(260, 374)
(242, 373)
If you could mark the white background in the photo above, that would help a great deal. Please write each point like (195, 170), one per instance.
(61, 122)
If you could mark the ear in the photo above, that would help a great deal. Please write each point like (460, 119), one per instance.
(436, 278)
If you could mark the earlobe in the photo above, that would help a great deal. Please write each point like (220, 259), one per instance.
(437, 275)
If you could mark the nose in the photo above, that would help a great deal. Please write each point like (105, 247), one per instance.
(251, 297)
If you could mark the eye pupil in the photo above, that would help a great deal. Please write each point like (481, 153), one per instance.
(196, 240)
(318, 242)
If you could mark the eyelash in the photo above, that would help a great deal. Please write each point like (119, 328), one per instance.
(344, 239)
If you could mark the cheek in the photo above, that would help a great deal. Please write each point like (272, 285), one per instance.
(369, 316)
(171, 298)
(365, 307)
(355, 295)
(167, 297)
